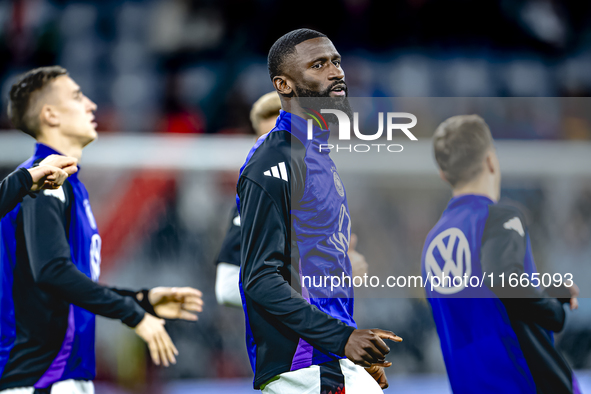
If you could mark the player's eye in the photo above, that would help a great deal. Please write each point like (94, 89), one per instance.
(337, 63)
(317, 65)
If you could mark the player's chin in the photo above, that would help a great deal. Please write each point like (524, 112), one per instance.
(89, 136)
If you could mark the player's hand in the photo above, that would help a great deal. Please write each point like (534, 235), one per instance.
(176, 302)
(366, 347)
(574, 293)
(52, 172)
(379, 375)
(47, 177)
(358, 262)
(151, 330)
(66, 163)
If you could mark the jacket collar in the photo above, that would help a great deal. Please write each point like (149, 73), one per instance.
(468, 199)
(299, 127)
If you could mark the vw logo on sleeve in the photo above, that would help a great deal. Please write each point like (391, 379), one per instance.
(441, 261)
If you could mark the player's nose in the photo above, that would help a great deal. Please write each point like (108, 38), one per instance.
(90, 104)
(336, 73)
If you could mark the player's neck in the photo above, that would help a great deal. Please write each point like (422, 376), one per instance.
(61, 144)
(482, 187)
(293, 107)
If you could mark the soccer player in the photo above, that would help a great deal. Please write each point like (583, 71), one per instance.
(50, 259)
(494, 339)
(49, 174)
(292, 209)
(263, 116)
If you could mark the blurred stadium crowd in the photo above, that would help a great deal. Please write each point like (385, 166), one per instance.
(196, 67)
(187, 66)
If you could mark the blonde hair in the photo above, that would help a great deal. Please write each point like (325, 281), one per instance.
(266, 107)
(460, 144)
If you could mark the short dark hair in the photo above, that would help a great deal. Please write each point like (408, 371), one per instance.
(20, 96)
(285, 46)
(460, 144)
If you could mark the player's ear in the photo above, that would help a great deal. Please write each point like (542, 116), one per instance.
(282, 85)
(489, 163)
(49, 116)
(442, 175)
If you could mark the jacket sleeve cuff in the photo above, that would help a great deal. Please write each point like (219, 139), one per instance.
(347, 331)
(26, 182)
(140, 299)
(561, 293)
(144, 301)
(27, 179)
(135, 318)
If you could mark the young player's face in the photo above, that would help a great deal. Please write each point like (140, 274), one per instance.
(316, 70)
(75, 111)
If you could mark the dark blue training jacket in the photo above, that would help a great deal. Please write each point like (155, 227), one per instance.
(494, 339)
(295, 224)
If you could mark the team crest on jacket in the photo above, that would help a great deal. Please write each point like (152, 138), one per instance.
(338, 184)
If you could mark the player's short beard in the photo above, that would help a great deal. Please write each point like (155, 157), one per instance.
(322, 100)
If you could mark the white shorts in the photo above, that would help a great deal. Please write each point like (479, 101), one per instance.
(325, 379)
(64, 387)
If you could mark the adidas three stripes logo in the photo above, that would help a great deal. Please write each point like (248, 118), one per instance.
(280, 173)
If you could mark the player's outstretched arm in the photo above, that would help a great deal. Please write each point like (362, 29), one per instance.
(167, 302)
(52, 269)
(51, 263)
